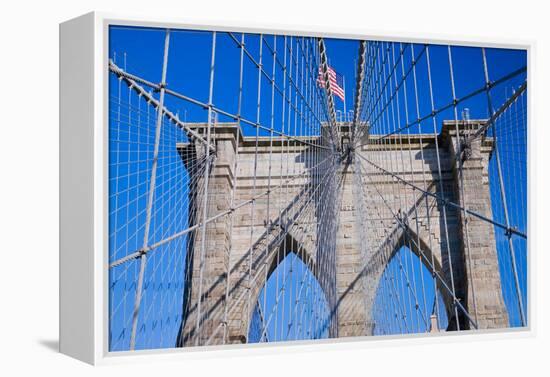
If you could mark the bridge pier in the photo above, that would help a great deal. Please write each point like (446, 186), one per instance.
(212, 253)
(352, 313)
(480, 282)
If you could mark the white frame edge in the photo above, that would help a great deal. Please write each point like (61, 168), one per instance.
(83, 323)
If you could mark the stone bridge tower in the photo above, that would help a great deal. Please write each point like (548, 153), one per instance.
(250, 247)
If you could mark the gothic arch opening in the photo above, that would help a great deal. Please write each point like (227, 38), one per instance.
(409, 297)
(291, 305)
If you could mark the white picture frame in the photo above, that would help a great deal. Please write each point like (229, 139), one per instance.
(84, 190)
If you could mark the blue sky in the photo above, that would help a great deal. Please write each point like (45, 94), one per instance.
(190, 54)
(140, 52)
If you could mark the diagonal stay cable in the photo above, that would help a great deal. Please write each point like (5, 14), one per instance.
(119, 71)
(382, 89)
(446, 202)
(498, 113)
(266, 75)
(213, 218)
(133, 84)
(455, 102)
(456, 300)
(361, 66)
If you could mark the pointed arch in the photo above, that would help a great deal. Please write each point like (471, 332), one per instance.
(404, 242)
(295, 264)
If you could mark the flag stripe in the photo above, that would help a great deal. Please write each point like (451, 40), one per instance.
(335, 86)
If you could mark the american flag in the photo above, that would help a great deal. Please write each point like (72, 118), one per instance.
(336, 82)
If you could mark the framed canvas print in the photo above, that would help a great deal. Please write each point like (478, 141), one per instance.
(225, 186)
